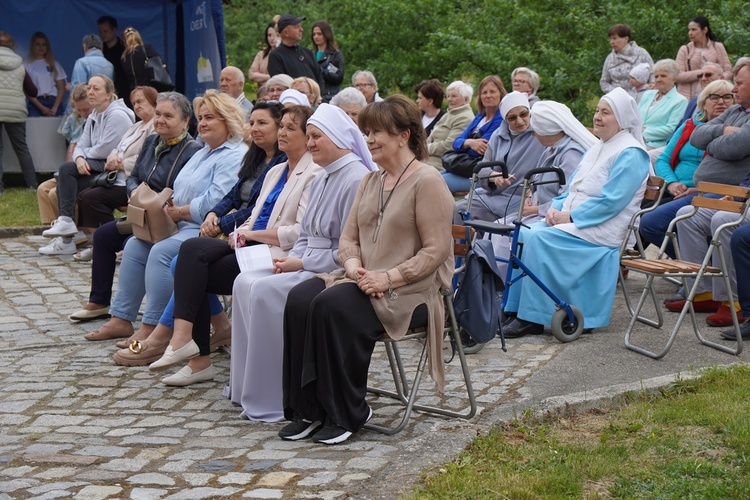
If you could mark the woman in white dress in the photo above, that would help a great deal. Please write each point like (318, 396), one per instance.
(255, 379)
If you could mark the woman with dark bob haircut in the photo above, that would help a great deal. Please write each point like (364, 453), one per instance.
(430, 95)
(625, 54)
(396, 250)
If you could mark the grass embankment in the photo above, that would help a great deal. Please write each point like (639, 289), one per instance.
(691, 440)
(18, 208)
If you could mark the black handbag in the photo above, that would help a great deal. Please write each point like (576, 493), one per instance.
(157, 75)
(104, 179)
(459, 162)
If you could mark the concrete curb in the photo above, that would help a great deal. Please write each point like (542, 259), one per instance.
(14, 232)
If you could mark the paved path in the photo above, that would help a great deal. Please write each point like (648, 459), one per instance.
(75, 425)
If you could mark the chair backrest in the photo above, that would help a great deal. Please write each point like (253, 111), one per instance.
(462, 238)
(655, 187)
(736, 192)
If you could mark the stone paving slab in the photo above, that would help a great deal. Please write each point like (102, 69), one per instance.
(74, 424)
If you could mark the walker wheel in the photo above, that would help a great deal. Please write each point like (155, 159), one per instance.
(563, 329)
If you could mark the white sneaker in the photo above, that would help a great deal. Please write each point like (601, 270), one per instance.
(62, 226)
(59, 246)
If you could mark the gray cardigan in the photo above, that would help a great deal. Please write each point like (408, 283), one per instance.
(727, 159)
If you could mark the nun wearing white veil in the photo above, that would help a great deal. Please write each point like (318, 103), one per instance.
(575, 250)
(255, 377)
(566, 140)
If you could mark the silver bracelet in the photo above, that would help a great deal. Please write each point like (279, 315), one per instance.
(391, 292)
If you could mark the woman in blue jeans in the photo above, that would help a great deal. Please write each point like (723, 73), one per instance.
(202, 182)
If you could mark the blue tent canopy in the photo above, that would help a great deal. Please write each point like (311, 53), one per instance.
(188, 34)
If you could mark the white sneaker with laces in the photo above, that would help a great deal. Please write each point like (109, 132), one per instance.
(59, 246)
(62, 226)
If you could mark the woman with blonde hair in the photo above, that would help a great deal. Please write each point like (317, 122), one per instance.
(310, 88)
(202, 182)
(48, 76)
(134, 59)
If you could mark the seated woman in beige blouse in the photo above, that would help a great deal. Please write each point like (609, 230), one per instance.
(396, 250)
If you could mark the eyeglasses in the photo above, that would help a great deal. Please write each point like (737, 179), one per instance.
(726, 97)
(519, 82)
(705, 75)
(277, 89)
(362, 85)
(512, 118)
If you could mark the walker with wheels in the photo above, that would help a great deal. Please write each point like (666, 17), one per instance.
(567, 321)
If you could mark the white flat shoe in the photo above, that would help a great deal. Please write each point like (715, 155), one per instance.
(172, 357)
(186, 376)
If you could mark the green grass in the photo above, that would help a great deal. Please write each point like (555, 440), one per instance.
(692, 440)
(18, 208)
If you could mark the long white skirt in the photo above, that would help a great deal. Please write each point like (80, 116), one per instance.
(255, 377)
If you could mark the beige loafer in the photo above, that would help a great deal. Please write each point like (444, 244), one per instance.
(90, 315)
(186, 377)
(172, 357)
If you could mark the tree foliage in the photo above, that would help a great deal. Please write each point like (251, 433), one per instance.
(565, 41)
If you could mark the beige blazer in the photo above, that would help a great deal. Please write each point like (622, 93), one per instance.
(291, 205)
(138, 132)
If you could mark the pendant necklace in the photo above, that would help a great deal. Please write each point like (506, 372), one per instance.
(384, 204)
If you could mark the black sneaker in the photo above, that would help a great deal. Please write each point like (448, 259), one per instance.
(299, 429)
(331, 433)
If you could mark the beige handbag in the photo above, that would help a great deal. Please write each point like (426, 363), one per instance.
(147, 216)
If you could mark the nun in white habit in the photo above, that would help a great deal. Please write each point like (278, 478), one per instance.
(575, 250)
(255, 378)
(566, 140)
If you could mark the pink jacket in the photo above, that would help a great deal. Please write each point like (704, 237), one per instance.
(690, 60)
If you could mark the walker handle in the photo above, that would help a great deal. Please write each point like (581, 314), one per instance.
(544, 170)
(489, 164)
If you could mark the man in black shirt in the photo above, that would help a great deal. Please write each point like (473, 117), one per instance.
(113, 49)
(289, 58)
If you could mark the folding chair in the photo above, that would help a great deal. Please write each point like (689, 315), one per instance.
(665, 268)
(655, 187)
(463, 238)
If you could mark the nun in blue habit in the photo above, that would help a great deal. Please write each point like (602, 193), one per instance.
(575, 250)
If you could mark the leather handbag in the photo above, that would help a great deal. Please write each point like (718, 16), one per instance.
(104, 179)
(157, 75)
(459, 162)
(147, 216)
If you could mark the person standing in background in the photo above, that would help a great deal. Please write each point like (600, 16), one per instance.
(92, 63)
(13, 111)
(48, 76)
(289, 58)
(330, 60)
(112, 49)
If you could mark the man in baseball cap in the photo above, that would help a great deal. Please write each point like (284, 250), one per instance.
(289, 57)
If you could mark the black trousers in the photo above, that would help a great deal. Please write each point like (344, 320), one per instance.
(69, 184)
(97, 204)
(107, 242)
(204, 265)
(329, 337)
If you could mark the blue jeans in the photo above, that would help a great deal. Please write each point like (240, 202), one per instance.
(145, 271)
(167, 317)
(740, 246)
(45, 101)
(456, 183)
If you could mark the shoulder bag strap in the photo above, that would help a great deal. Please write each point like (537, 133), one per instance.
(169, 175)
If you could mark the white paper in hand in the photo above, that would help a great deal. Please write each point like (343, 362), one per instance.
(256, 258)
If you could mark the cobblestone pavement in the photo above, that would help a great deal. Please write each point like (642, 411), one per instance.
(74, 424)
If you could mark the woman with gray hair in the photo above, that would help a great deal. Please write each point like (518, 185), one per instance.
(450, 126)
(662, 108)
(175, 147)
(276, 85)
(526, 80)
(351, 101)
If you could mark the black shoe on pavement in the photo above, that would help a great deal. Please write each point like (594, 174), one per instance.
(518, 328)
(744, 331)
(332, 433)
(299, 429)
